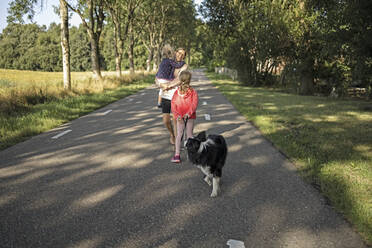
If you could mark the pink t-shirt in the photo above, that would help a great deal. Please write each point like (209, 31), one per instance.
(185, 104)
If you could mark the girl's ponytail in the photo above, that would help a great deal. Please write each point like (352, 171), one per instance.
(185, 78)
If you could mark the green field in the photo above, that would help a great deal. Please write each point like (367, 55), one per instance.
(329, 140)
(29, 107)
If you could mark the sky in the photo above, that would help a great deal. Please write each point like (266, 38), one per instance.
(43, 16)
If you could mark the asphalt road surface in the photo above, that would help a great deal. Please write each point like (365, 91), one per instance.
(106, 180)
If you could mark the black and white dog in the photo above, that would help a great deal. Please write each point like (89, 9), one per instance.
(208, 154)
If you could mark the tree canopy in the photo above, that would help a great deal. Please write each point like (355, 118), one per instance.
(309, 45)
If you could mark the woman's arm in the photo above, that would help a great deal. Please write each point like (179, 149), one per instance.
(175, 82)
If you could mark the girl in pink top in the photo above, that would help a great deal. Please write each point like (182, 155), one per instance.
(184, 104)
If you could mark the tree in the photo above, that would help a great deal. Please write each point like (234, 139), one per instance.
(65, 44)
(19, 8)
(92, 15)
(122, 13)
(17, 40)
(160, 22)
(80, 49)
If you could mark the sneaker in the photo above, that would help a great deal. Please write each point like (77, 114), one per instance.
(159, 105)
(176, 159)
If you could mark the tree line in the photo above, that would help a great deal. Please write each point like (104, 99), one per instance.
(309, 45)
(316, 45)
(38, 48)
(114, 29)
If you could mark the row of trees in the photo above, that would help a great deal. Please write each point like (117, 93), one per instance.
(33, 47)
(312, 45)
(129, 25)
(318, 42)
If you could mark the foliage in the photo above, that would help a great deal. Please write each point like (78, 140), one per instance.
(80, 49)
(170, 15)
(16, 40)
(320, 41)
(306, 45)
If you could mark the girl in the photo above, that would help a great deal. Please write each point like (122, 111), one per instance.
(184, 104)
(165, 73)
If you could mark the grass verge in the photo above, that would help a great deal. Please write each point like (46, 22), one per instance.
(329, 140)
(17, 126)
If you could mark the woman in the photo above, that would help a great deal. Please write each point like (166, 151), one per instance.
(166, 97)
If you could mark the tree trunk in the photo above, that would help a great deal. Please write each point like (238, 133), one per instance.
(149, 59)
(118, 65)
(96, 16)
(94, 32)
(118, 49)
(65, 45)
(307, 77)
(95, 57)
(156, 58)
(155, 62)
(131, 49)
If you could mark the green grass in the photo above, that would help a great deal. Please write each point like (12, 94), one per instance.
(329, 140)
(34, 119)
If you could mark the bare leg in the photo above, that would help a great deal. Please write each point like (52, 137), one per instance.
(174, 126)
(168, 124)
(189, 129)
(180, 128)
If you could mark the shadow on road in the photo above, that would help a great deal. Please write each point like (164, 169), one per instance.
(109, 183)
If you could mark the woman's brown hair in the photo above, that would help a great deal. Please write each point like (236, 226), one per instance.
(183, 49)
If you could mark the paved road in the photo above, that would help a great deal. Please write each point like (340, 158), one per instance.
(109, 183)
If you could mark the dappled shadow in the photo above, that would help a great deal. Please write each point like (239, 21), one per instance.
(109, 183)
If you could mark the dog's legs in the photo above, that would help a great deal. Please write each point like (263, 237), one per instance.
(207, 180)
(208, 175)
(216, 186)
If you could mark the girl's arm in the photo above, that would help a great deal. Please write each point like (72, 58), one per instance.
(174, 106)
(194, 103)
(176, 64)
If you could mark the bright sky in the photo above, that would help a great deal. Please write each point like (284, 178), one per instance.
(43, 16)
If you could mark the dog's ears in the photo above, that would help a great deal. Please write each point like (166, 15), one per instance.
(202, 136)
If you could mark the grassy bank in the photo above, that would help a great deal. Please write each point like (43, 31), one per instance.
(330, 141)
(29, 108)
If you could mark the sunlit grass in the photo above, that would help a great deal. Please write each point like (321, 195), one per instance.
(28, 108)
(329, 140)
(40, 77)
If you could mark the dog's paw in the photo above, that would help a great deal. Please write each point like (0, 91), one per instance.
(214, 194)
(208, 180)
